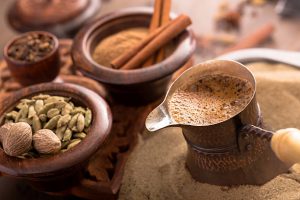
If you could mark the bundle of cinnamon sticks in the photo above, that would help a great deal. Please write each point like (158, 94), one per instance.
(161, 32)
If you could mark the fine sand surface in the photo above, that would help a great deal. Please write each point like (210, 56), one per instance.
(156, 168)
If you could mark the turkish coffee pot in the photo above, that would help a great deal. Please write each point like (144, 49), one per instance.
(235, 151)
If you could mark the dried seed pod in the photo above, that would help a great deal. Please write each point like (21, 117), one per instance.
(43, 117)
(80, 123)
(41, 97)
(52, 123)
(52, 112)
(46, 142)
(21, 105)
(36, 123)
(67, 109)
(88, 118)
(17, 139)
(11, 115)
(78, 110)
(31, 112)
(22, 113)
(60, 132)
(73, 121)
(73, 143)
(81, 135)
(27, 101)
(67, 135)
(39, 104)
(64, 120)
(53, 99)
(48, 106)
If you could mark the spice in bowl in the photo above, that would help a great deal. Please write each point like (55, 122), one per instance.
(44, 125)
(31, 48)
(134, 48)
(114, 45)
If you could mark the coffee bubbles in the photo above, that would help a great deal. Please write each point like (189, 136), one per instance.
(210, 100)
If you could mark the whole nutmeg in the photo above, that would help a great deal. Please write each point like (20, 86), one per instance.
(17, 138)
(46, 142)
(4, 129)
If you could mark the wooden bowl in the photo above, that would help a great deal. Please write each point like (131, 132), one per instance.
(129, 86)
(60, 17)
(60, 171)
(44, 70)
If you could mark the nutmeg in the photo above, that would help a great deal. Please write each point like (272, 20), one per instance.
(46, 142)
(17, 138)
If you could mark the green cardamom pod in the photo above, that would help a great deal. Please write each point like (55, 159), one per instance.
(22, 113)
(48, 106)
(52, 123)
(11, 115)
(60, 132)
(67, 135)
(80, 135)
(73, 143)
(41, 97)
(39, 104)
(53, 99)
(64, 120)
(73, 121)
(36, 123)
(67, 109)
(27, 101)
(88, 118)
(78, 110)
(31, 112)
(80, 123)
(52, 112)
(43, 117)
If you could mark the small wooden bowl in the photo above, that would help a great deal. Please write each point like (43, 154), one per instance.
(60, 171)
(129, 86)
(44, 70)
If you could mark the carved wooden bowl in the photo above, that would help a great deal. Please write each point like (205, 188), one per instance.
(141, 85)
(27, 73)
(63, 170)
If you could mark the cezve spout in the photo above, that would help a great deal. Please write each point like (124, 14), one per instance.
(159, 118)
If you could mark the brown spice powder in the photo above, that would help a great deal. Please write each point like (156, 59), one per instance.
(114, 45)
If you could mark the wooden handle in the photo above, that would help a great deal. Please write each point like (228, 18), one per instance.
(286, 145)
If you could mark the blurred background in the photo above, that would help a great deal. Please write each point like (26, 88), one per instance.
(219, 26)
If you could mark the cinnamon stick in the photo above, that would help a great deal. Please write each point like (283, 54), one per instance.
(169, 33)
(155, 23)
(253, 39)
(165, 18)
(124, 58)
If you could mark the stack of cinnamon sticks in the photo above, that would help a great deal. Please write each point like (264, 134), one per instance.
(161, 32)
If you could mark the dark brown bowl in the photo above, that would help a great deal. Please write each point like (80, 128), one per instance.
(60, 171)
(129, 86)
(43, 70)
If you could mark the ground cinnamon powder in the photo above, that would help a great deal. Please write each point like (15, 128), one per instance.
(114, 45)
(156, 168)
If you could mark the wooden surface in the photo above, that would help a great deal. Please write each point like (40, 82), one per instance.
(202, 13)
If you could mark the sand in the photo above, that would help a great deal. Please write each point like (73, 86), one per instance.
(156, 168)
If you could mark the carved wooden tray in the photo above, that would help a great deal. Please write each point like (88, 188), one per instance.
(103, 175)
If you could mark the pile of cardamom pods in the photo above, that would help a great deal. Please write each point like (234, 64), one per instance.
(70, 123)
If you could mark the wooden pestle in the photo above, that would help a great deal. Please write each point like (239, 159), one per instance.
(286, 145)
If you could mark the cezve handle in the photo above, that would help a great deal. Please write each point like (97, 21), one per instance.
(286, 145)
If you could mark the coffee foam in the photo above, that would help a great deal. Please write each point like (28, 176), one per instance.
(211, 99)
